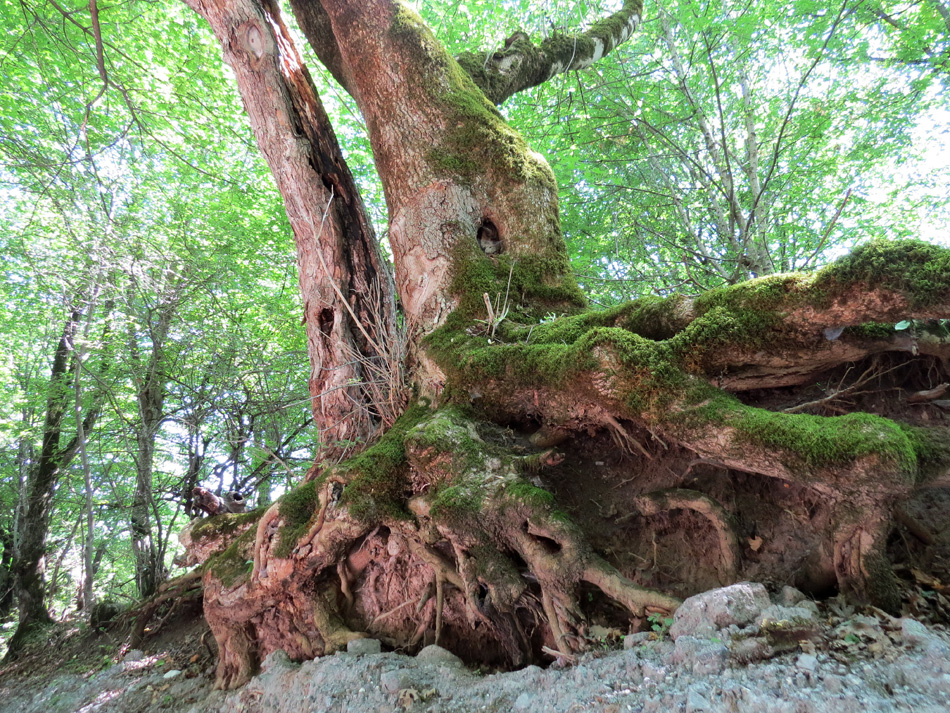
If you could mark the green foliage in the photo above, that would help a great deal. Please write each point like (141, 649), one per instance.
(147, 203)
(660, 624)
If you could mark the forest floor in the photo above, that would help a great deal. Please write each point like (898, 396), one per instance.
(731, 649)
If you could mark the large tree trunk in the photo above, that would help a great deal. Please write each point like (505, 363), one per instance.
(475, 505)
(459, 182)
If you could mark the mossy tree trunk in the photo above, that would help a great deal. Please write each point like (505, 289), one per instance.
(464, 524)
(28, 565)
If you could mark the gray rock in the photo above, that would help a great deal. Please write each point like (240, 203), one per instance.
(631, 641)
(706, 614)
(914, 633)
(696, 700)
(789, 596)
(362, 647)
(276, 660)
(437, 655)
(174, 673)
(751, 650)
(701, 656)
(800, 616)
(393, 681)
(525, 700)
(807, 663)
(134, 655)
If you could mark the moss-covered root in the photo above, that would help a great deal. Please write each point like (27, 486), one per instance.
(682, 499)
(476, 498)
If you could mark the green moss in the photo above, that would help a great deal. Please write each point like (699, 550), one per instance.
(883, 587)
(297, 509)
(449, 427)
(765, 294)
(530, 495)
(457, 505)
(225, 524)
(808, 442)
(932, 448)
(721, 327)
(234, 562)
(919, 270)
(870, 331)
(377, 486)
(838, 440)
(533, 284)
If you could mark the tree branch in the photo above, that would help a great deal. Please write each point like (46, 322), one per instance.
(521, 64)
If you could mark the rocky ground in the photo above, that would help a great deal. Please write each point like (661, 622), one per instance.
(730, 649)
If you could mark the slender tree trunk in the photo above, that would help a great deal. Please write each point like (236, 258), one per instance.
(88, 598)
(150, 396)
(347, 292)
(29, 562)
(6, 574)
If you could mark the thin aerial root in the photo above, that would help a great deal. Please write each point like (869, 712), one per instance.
(266, 527)
(390, 612)
(345, 587)
(439, 602)
(624, 439)
(424, 599)
(321, 518)
(636, 599)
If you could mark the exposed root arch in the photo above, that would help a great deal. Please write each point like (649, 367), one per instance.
(681, 499)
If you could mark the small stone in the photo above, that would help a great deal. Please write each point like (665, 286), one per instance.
(525, 700)
(276, 659)
(833, 683)
(134, 655)
(437, 655)
(631, 641)
(363, 647)
(750, 650)
(696, 701)
(174, 673)
(393, 681)
(789, 597)
(807, 662)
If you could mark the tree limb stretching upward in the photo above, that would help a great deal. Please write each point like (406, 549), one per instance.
(521, 64)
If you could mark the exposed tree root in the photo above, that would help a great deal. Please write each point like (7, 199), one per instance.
(437, 533)
(662, 501)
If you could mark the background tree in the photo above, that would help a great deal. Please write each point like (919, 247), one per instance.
(106, 186)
